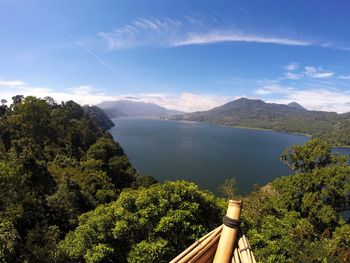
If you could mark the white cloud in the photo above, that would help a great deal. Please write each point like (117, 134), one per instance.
(82, 94)
(344, 77)
(273, 89)
(293, 76)
(321, 99)
(191, 31)
(187, 101)
(313, 99)
(142, 32)
(291, 66)
(313, 72)
(228, 36)
(87, 94)
(307, 71)
(11, 83)
(195, 30)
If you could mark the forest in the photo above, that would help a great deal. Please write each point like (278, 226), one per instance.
(70, 194)
(243, 112)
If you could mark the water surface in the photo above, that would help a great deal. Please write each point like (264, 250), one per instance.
(203, 153)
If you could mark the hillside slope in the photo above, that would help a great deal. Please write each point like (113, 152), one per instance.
(289, 118)
(99, 117)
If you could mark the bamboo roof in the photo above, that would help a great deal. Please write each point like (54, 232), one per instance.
(225, 244)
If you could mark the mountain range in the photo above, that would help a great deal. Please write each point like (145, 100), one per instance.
(293, 118)
(129, 108)
(251, 113)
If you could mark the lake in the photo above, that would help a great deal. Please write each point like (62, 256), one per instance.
(204, 153)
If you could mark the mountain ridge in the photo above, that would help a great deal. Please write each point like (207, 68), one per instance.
(296, 105)
(129, 108)
(255, 113)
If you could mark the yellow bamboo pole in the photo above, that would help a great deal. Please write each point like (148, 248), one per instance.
(210, 246)
(200, 245)
(228, 234)
(246, 244)
(235, 257)
(245, 251)
(196, 243)
(252, 258)
(209, 253)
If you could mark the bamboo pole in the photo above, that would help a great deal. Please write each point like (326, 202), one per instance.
(196, 243)
(200, 245)
(211, 246)
(245, 251)
(247, 246)
(228, 235)
(235, 257)
(252, 258)
(209, 253)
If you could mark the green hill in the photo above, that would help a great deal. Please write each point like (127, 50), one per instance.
(243, 112)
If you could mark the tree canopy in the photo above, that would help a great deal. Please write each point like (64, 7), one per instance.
(56, 163)
(145, 225)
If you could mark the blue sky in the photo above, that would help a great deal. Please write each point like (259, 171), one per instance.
(182, 54)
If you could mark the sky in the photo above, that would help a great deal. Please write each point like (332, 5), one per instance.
(187, 55)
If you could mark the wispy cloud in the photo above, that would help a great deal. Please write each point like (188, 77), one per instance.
(227, 36)
(198, 30)
(143, 32)
(273, 89)
(189, 31)
(11, 83)
(344, 77)
(293, 76)
(313, 72)
(291, 66)
(293, 73)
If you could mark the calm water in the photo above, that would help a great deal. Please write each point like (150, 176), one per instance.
(203, 153)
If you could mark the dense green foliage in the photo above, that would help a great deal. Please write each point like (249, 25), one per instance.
(302, 217)
(69, 194)
(146, 225)
(99, 117)
(333, 127)
(56, 163)
(314, 154)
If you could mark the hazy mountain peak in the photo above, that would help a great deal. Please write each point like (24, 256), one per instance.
(129, 108)
(246, 100)
(296, 105)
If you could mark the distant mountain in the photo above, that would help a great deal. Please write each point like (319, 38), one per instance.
(128, 108)
(294, 118)
(296, 105)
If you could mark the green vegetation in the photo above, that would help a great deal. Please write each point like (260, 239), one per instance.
(330, 126)
(69, 194)
(146, 225)
(56, 163)
(302, 217)
(99, 117)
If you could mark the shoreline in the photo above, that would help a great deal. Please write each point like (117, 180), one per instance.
(263, 129)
